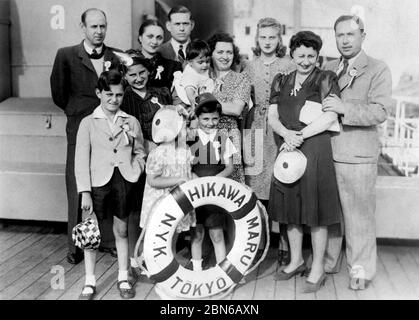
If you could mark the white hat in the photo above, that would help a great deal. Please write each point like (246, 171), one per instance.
(166, 126)
(290, 166)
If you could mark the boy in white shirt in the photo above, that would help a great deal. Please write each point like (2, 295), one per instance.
(213, 151)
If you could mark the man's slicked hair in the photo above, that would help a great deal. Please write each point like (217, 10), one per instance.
(84, 14)
(354, 18)
(179, 9)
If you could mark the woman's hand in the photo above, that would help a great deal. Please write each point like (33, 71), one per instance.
(293, 139)
(86, 202)
(287, 148)
(181, 110)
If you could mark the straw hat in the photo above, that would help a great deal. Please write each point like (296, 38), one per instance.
(290, 166)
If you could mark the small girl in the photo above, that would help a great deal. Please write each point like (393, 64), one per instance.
(195, 78)
(109, 159)
(213, 152)
(168, 165)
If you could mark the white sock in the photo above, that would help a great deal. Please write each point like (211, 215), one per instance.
(197, 265)
(90, 280)
(122, 275)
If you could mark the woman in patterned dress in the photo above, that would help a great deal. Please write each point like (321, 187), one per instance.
(259, 146)
(232, 90)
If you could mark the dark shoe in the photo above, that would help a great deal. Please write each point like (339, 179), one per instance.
(125, 293)
(284, 257)
(111, 251)
(87, 296)
(189, 265)
(74, 258)
(311, 287)
(283, 276)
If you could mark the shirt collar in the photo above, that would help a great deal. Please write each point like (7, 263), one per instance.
(204, 137)
(351, 60)
(89, 49)
(99, 114)
(176, 45)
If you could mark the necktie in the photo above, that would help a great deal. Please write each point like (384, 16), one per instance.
(96, 55)
(345, 68)
(180, 54)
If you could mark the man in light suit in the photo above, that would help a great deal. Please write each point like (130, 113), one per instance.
(365, 85)
(73, 79)
(180, 26)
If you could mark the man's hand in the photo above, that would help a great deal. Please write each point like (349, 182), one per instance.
(293, 139)
(86, 202)
(333, 103)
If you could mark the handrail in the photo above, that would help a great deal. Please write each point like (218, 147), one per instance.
(400, 142)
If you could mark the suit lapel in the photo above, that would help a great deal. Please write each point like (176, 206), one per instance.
(85, 59)
(103, 125)
(118, 126)
(358, 66)
(173, 52)
(110, 56)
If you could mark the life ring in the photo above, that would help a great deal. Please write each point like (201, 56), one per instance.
(171, 277)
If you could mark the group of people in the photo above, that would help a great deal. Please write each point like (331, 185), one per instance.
(118, 165)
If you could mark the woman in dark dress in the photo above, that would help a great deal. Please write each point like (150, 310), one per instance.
(313, 200)
(150, 37)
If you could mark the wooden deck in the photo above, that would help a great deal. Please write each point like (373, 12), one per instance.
(28, 255)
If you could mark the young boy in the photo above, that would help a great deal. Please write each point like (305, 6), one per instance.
(213, 152)
(109, 159)
(195, 77)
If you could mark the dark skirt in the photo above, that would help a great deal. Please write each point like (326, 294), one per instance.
(313, 200)
(211, 216)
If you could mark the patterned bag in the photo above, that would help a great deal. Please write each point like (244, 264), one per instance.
(86, 235)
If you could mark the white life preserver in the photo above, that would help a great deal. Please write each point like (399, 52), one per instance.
(171, 277)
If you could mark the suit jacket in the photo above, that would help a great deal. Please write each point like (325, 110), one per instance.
(168, 52)
(73, 81)
(98, 150)
(366, 93)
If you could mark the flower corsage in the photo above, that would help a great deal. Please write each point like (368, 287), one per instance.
(107, 65)
(128, 132)
(159, 71)
(352, 73)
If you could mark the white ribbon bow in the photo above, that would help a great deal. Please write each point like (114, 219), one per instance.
(216, 146)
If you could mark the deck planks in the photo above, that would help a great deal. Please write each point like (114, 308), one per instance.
(28, 253)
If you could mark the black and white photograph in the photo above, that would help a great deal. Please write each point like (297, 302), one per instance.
(228, 151)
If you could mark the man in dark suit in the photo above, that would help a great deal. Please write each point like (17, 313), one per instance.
(365, 85)
(73, 79)
(180, 26)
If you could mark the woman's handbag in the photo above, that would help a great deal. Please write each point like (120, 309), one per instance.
(86, 234)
